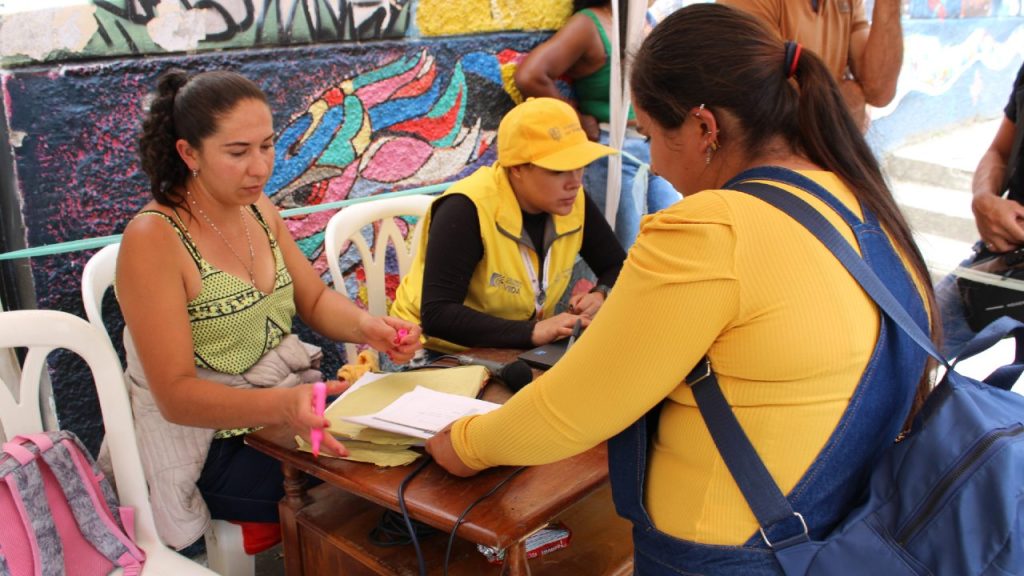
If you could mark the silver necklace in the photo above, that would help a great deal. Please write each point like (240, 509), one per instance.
(248, 237)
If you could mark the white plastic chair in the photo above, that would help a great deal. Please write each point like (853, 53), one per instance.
(224, 550)
(97, 276)
(42, 331)
(347, 225)
(10, 371)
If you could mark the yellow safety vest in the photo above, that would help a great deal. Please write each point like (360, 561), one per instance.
(506, 282)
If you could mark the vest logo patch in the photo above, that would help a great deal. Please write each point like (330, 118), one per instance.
(505, 283)
(562, 276)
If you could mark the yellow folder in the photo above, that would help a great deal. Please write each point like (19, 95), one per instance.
(376, 392)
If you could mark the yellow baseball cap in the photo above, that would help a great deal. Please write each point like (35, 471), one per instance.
(546, 132)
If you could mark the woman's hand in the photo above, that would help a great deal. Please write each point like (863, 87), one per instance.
(301, 417)
(440, 447)
(586, 304)
(560, 326)
(395, 337)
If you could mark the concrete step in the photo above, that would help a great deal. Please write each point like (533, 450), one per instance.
(928, 172)
(941, 220)
(931, 181)
(946, 159)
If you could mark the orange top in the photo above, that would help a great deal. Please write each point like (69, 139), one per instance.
(825, 32)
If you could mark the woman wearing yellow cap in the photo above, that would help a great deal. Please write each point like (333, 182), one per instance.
(500, 244)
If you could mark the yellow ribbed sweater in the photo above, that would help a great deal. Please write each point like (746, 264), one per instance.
(787, 329)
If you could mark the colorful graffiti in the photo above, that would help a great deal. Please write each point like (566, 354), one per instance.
(403, 124)
(123, 27)
(444, 18)
(943, 9)
(954, 72)
(932, 64)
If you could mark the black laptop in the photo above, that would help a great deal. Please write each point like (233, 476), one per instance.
(545, 356)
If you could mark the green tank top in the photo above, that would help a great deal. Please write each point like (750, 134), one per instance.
(233, 323)
(592, 92)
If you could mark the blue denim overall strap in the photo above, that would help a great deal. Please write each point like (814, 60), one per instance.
(835, 480)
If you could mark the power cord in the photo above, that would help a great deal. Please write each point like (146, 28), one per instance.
(386, 533)
(462, 517)
(421, 563)
(439, 362)
(390, 530)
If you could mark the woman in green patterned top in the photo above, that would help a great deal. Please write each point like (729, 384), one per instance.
(209, 279)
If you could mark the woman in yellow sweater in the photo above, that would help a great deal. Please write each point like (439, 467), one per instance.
(819, 381)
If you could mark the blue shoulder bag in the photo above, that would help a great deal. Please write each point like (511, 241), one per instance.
(948, 499)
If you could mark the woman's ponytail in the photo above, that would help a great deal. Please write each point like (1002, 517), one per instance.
(157, 144)
(829, 137)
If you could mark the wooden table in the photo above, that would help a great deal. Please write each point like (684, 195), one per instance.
(325, 529)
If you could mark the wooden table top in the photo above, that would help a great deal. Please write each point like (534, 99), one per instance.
(524, 504)
(435, 497)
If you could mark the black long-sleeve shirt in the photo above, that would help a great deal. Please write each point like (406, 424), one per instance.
(455, 248)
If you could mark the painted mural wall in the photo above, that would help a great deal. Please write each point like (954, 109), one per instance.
(133, 27)
(954, 71)
(104, 28)
(368, 96)
(359, 119)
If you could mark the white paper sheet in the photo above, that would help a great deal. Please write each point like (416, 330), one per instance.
(423, 412)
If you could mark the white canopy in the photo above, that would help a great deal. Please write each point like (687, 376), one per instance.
(620, 97)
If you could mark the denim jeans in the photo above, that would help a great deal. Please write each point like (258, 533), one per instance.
(660, 194)
(955, 331)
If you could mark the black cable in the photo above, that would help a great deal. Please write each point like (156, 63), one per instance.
(462, 517)
(390, 530)
(405, 513)
(452, 357)
(384, 534)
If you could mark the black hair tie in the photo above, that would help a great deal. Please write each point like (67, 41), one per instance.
(793, 50)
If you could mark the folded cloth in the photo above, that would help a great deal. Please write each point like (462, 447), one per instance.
(367, 361)
(173, 455)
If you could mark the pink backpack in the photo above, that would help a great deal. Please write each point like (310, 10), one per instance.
(60, 514)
